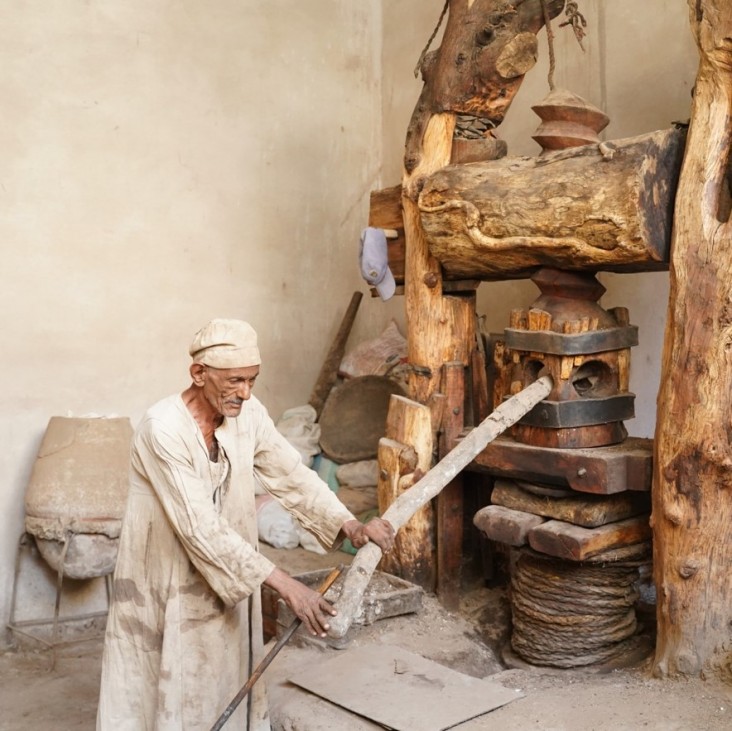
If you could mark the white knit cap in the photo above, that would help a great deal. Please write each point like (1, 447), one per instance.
(226, 344)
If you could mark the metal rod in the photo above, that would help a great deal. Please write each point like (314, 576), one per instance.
(63, 620)
(264, 664)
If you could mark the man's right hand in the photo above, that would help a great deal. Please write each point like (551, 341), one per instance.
(307, 604)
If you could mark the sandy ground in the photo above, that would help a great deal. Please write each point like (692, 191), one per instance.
(35, 696)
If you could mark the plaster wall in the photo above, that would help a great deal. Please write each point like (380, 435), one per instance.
(163, 164)
(639, 66)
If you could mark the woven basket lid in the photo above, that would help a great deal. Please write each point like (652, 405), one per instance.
(354, 418)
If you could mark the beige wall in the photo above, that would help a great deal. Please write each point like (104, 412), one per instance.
(165, 163)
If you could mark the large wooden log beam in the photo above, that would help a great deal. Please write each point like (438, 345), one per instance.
(595, 207)
(692, 491)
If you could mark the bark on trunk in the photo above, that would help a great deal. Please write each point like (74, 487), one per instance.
(487, 48)
(692, 495)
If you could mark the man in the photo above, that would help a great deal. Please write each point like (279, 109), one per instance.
(185, 629)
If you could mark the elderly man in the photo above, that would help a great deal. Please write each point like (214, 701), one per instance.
(185, 628)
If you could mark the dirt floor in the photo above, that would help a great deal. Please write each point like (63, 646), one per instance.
(35, 695)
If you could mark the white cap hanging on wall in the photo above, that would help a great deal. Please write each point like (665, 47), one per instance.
(374, 261)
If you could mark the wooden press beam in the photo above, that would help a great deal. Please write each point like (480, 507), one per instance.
(429, 486)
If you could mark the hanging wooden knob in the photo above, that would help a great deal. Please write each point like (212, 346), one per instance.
(567, 120)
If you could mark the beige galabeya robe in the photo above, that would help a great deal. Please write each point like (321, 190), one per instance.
(185, 627)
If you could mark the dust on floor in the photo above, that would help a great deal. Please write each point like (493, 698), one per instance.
(34, 697)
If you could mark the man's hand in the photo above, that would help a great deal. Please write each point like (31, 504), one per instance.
(377, 530)
(307, 604)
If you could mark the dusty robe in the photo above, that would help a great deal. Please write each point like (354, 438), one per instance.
(185, 627)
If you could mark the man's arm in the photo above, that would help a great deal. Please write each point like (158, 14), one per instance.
(309, 605)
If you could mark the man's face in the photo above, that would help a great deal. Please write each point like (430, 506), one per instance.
(226, 389)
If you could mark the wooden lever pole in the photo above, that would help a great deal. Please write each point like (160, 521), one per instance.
(257, 674)
(407, 504)
(329, 370)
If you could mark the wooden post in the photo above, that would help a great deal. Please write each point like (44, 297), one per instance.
(692, 491)
(449, 503)
(329, 370)
(405, 455)
(433, 320)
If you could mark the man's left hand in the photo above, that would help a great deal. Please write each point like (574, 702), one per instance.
(377, 530)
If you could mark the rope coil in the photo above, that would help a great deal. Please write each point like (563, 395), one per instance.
(570, 615)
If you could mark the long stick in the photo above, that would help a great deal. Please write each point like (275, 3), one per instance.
(264, 664)
(329, 370)
(407, 504)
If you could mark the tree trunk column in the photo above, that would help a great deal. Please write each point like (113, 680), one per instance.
(692, 491)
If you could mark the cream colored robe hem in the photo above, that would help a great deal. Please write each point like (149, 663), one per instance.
(185, 627)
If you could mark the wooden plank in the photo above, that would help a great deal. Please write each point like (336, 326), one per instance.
(505, 525)
(329, 370)
(601, 470)
(586, 510)
(385, 208)
(563, 540)
(385, 211)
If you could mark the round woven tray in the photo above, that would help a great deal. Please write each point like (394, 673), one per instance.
(354, 418)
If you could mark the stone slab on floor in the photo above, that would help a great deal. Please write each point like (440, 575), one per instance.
(433, 633)
(401, 690)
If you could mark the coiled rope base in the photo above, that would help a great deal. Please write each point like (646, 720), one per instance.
(568, 615)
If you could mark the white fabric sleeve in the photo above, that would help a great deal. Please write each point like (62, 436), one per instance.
(296, 487)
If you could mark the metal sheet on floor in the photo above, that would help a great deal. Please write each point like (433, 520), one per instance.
(400, 689)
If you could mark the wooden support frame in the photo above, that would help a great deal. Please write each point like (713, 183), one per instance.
(692, 491)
